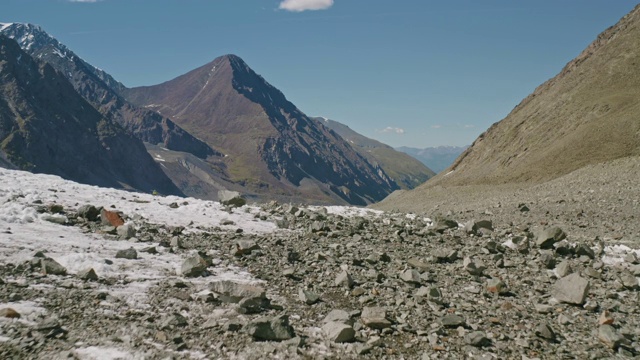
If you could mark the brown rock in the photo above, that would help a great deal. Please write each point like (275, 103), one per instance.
(111, 218)
(9, 313)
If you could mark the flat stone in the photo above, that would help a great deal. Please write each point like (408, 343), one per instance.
(375, 318)
(338, 316)
(339, 332)
(571, 289)
(629, 280)
(232, 292)
(452, 320)
(130, 254)
(418, 264)
(270, 328)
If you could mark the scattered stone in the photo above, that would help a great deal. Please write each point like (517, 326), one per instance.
(608, 335)
(88, 275)
(477, 339)
(445, 255)
(584, 250)
(9, 313)
(375, 318)
(52, 267)
(308, 297)
(344, 279)
(629, 280)
(126, 231)
(605, 318)
(338, 316)
(474, 267)
(245, 247)
(496, 286)
(111, 218)
(339, 332)
(130, 254)
(452, 320)
(563, 269)
(89, 212)
(270, 329)
(194, 266)
(231, 198)
(549, 236)
(546, 332)
(416, 263)
(232, 292)
(411, 277)
(571, 289)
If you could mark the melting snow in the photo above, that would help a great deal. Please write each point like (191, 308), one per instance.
(104, 353)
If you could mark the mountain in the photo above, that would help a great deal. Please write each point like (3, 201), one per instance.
(436, 158)
(585, 115)
(97, 87)
(406, 171)
(272, 147)
(47, 127)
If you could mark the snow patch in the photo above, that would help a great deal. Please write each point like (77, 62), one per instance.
(4, 25)
(614, 254)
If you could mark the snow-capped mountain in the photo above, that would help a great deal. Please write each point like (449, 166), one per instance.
(99, 89)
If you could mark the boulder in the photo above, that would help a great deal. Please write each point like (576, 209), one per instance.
(571, 289)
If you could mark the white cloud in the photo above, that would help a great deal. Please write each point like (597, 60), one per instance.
(390, 129)
(302, 5)
(469, 126)
(436, 126)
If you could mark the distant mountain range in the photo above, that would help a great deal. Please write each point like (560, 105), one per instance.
(436, 158)
(406, 171)
(222, 126)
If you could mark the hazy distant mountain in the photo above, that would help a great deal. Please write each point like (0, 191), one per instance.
(273, 148)
(436, 158)
(406, 171)
(47, 127)
(97, 87)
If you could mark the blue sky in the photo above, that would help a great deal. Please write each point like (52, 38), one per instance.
(407, 72)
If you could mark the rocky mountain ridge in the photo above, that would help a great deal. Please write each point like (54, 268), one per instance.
(47, 127)
(273, 147)
(98, 88)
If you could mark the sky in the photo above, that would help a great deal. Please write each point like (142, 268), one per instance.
(416, 73)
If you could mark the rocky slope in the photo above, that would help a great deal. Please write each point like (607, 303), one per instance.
(46, 127)
(156, 277)
(436, 158)
(406, 171)
(96, 86)
(586, 114)
(274, 149)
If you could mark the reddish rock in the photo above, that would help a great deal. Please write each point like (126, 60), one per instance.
(111, 218)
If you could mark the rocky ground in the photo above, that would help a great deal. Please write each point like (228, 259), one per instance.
(353, 284)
